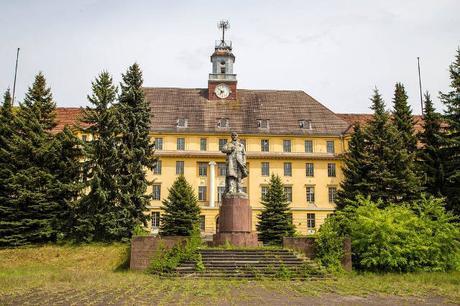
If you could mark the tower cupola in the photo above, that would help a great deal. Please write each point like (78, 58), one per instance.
(222, 81)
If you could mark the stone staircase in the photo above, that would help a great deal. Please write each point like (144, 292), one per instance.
(252, 263)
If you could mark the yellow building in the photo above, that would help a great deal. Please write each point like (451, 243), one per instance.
(285, 132)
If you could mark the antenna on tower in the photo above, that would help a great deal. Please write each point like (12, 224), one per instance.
(223, 25)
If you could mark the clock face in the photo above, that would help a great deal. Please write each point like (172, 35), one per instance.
(222, 91)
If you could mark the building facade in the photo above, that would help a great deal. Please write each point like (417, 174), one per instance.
(285, 132)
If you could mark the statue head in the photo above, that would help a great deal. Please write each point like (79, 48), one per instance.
(234, 136)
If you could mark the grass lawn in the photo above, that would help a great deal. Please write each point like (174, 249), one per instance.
(95, 274)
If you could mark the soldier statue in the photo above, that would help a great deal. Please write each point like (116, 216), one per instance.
(236, 165)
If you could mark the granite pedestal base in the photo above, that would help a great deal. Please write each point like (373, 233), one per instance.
(235, 222)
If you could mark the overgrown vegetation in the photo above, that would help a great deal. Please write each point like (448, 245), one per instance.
(419, 236)
(167, 260)
(87, 274)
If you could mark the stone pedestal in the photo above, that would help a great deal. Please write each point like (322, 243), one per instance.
(235, 222)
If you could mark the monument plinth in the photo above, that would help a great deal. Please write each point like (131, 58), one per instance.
(235, 213)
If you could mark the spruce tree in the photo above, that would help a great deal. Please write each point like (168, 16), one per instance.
(430, 154)
(32, 184)
(99, 215)
(64, 162)
(403, 119)
(137, 151)
(355, 169)
(181, 211)
(274, 220)
(7, 210)
(452, 139)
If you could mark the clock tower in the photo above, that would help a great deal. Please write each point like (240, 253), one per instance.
(222, 80)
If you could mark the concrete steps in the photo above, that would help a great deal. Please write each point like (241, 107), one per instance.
(252, 263)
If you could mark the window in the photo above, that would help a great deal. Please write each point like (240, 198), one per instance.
(288, 191)
(156, 192)
(203, 144)
(331, 169)
(222, 143)
(180, 144)
(220, 193)
(84, 138)
(222, 70)
(332, 194)
(287, 169)
(244, 189)
(202, 169)
(223, 123)
(221, 169)
(179, 167)
(308, 146)
(264, 145)
(286, 145)
(155, 220)
(264, 191)
(310, 169)
(158, 143)
(182, 122)
(311, 194)
(265, 168)
(262, 123)
(330, 146)
(311, 221)
(157, 168)
(202, 223)
(305, 124)
(201, 193)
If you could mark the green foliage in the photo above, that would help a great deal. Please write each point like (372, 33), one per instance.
(430, 155)
(39, 184)
(403, 119)
(274, 220)
(140, 231)
(355, 169)
(419, 236)
(329, 244)
(100, 215)
(451, 147)
(136, 150)
(181, 211)
(379, 164)
(166, 261)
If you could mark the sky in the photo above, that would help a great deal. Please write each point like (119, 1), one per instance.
(336, 51)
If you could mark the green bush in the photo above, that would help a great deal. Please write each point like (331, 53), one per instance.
(398, 238)
(166, 261)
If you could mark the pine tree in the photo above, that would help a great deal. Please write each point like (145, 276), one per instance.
(99, 215)
(7, 210)
(355, 170)
(137, 152)
(430, 155)
(275, 220)
(40, 100)
(403, 119)
(392, 175)
(181, 211)
(452, 139)
(64, 159)
(32, 185)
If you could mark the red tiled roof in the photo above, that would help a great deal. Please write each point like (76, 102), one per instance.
(68, 116)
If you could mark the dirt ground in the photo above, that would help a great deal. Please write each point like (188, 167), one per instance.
(249, 296)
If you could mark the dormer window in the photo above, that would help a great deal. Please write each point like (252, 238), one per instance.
(223, 123)
(262, 123)
(305, 124)
(182, 122)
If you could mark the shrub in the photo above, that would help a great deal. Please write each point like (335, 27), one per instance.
(398, 238)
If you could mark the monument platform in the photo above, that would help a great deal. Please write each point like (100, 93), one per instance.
(235, 222)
